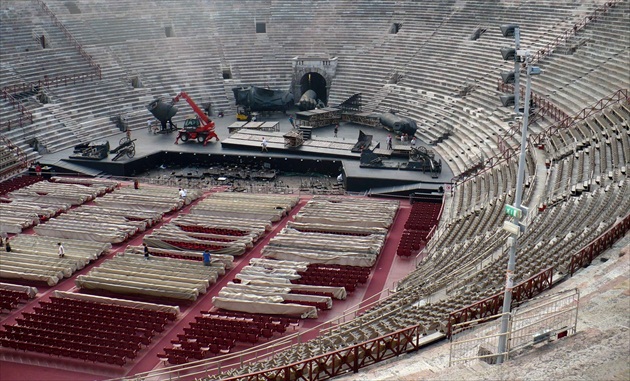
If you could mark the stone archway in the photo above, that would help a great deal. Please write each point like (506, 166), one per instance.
(316, 82)
(315, 73)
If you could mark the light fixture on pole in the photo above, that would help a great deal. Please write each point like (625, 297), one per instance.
(516, 211)
(510, 54)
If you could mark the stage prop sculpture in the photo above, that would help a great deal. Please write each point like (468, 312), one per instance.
(259, 99)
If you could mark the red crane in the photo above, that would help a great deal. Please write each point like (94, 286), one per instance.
(200, 128)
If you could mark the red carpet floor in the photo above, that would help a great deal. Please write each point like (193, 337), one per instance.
(26, 366)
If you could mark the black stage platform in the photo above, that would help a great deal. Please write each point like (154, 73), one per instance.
(328, 155)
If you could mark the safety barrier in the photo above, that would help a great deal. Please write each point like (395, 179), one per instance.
(585, 256)
(492, 305)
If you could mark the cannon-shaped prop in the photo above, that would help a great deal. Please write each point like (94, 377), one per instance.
(398, 124)
(164, 112)
(309, 101)
(126, 147)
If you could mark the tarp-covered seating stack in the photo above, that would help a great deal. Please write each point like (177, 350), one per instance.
(335, 231)
(130, 273)
(224, 223)
(36, 258)
(246, 205)
(43, 200)
(118, 215)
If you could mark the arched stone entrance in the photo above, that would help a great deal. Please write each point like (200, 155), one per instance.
(317, 83)
(313, 73)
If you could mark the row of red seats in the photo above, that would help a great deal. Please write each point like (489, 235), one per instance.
(236, 325)
(17, 183)
(8, 302)
(80, 323)
(361, 271)
(219, 231)
(218, 331)
(240, 324)
(74, 337)
(114, 333)
(307, 230)
(138, 324)
(323, 281)
(318, 305)
(333, 279)
(178, 256)
(21, 295)
(65, 352)
(113, 307)
(255, 317)
(152, 319)
(193, 246)
(204, 341)
(341, 267)
(59, 343)
(423, 217)
(313, 293)
(213, 239)
(351, 277)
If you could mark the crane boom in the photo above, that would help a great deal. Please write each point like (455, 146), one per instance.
(201, 129)
(202, 115)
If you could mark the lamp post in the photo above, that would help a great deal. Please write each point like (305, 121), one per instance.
(513, 30)
(517, 211)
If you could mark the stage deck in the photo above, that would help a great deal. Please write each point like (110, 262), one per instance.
(323, 145)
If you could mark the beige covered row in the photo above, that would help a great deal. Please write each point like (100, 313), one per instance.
(136, 288)
(66, 266)
(167, 266)
(272, 273)
(331, 258)
(233, 290)
(304, 312)
(57, 193)
(244, 224)
(275, 264)
(337, 292)
(80, 250)
(106, 184)
(117, 302)
(133, 274)
(223, 260)
(343, 229)
(50, 277)
(249, 206)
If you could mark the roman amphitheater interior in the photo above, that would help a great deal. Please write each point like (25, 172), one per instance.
(384, 272)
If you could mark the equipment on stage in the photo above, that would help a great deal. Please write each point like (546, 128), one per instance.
(398, 124)
(364, 142)
(164, 112)
(309, 101)
(319, 117)
(420, 159)
(200, 128)
(254, 98)
(92, 151)
(293, 138)
(126, 146)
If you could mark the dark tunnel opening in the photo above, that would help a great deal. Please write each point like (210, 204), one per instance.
(315, 82)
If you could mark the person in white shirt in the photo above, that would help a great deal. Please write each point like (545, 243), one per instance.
(264, 144)
(62, 251)
(182, 193)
